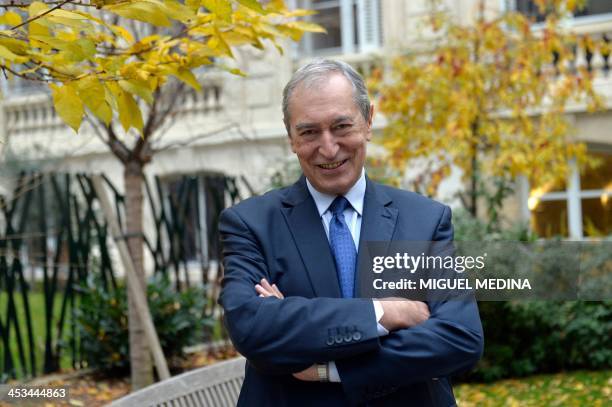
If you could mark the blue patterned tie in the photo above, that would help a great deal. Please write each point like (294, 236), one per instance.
(343, 246)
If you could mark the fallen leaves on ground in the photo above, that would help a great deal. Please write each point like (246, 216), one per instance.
(561, 389)
(94, 390)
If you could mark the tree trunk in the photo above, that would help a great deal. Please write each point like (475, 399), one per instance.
(474, 186)
(140, 356)
(474, 176)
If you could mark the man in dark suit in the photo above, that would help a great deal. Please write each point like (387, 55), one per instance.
(290, 293)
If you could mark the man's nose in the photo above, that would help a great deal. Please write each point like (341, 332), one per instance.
(328, 147)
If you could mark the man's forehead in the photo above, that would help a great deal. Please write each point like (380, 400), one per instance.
(319, 81)
(332, 120)
(306, 95)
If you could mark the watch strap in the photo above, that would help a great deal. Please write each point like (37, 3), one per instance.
(323, 372)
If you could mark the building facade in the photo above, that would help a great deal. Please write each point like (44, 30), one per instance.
(234, 126)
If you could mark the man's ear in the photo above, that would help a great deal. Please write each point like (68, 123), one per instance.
(291, 142)
(370, 120)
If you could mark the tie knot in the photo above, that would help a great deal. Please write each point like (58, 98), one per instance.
(338, 206)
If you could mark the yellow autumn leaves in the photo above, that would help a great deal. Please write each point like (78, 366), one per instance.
(579, 388)
(489, 99)
(112, 56)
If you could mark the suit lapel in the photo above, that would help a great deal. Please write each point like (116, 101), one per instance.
(307, 231)
(377, 225)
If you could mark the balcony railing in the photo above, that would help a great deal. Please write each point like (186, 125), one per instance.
(30, 113)
(593, 52)
(34, 112)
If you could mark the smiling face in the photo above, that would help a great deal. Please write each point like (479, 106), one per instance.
(329, 134)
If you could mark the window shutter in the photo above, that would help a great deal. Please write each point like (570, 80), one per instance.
(368, 17)
(347, 26)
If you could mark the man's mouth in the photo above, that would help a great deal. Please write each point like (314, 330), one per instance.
(332, 166)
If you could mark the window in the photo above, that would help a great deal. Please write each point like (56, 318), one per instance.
(352, 26)
(580, 207)
(529, 8)
(591, 8)
(594, 7)
(14, 87)
(192, 204)
(183, 210)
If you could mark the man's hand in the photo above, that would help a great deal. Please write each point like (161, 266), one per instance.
(266, 290)
(308, 375)
(401, 313)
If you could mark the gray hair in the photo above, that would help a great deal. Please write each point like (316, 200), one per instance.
(320, 69)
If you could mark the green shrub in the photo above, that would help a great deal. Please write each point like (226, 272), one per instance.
(529, 337)
(525, 338)
(102, 323)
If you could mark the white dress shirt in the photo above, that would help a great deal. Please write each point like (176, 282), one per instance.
(352, 216)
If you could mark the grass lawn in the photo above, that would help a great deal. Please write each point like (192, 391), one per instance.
(37, 311)
(580, 388)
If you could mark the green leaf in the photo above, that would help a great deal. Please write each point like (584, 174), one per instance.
(218, 44)
(6, 54)
(292, 32)
(71, 19)
(146, 11)
(37, 27)
(10, 18)
(129, 112)
(222, 8)
(68, 105)
(306, 26)
(87, 46)
(93, 94)
(188, 77)
(178, 11)
(137, 88)
(123, 33)
(238, 72)
(14, 45)
(253, 5)
(194, 5)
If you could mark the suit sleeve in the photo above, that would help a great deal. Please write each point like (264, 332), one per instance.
(285, 336)
(450, 341)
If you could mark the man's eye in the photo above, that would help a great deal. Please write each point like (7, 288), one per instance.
(307, 133)
(343, 126)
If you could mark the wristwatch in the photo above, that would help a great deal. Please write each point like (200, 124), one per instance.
(322, 372)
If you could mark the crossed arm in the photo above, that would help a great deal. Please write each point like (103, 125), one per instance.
(398, 313)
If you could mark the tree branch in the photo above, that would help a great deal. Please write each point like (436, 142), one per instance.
(121, 151)
(463, 200)
(141, 150)
(14, 4)
(170, 107)
(97, 131)
(198, 137)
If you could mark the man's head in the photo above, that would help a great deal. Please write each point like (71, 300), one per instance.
(328, 116)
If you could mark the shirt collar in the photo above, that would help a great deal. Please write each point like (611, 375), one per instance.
(355, 196)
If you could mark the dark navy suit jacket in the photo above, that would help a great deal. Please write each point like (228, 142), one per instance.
(279, 236)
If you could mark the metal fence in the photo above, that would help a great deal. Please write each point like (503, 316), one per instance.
(53, 236)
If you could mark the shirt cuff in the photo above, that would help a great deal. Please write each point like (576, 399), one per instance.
(334, 376)
(379, 311)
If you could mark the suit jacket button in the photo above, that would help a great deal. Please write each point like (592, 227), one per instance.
(357, 336)
(339, 339)
(330, 340)
(348, 337)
